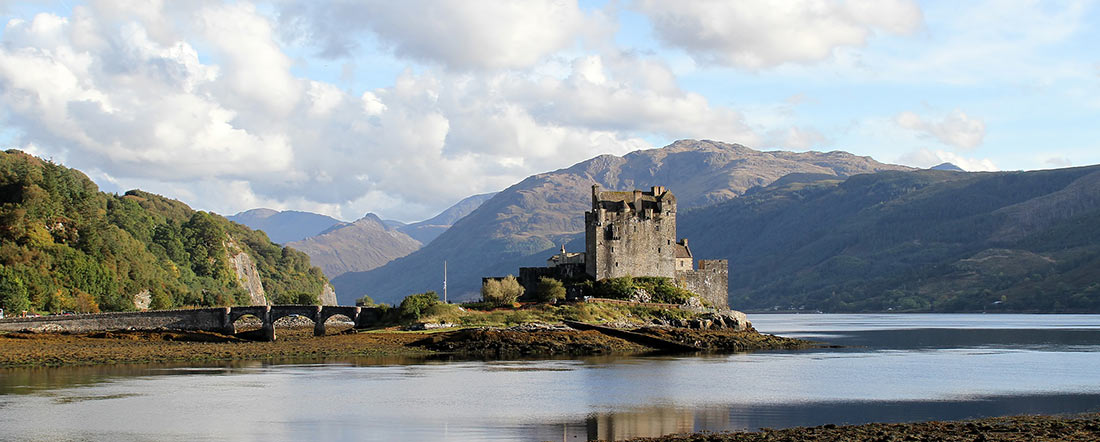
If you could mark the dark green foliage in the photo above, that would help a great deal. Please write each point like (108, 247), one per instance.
(549, 290)
(660, 289)
(924, 241)
(13, 294)
(413, 306)
(300, 298)
(68, 245)
(365, 301)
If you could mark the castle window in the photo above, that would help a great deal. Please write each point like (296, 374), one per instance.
(658, 250)
(612, 249)
(616, 264)
(669, 241)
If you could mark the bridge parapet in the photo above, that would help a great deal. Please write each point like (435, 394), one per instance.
(216, 319)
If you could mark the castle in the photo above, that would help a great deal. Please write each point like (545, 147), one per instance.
(634, 234)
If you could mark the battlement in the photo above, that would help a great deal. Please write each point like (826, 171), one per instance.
(657, 201)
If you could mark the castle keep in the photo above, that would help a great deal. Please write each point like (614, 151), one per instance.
(634, 234)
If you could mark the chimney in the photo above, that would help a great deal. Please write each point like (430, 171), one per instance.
(637, 200)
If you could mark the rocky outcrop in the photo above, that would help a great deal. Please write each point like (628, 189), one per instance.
(723, 320)
(328, 295)
(247, 274)
(143, 299)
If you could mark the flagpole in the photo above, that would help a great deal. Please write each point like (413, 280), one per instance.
(444, 281)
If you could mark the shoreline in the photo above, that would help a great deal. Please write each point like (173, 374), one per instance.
(32, 350)
(1082, 427)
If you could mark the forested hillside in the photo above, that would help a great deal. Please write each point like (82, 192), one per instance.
(911, 241)
(66, 246)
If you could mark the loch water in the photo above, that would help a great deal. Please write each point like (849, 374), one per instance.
(892, 368)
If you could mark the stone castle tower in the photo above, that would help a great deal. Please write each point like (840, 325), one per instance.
(632, 234)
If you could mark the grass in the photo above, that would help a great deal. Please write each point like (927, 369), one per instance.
(546, 313)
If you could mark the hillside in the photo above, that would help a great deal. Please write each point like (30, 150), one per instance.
(912, 241)
(286, 226)
(429, 229)
(362, 245)
(64, 245)
(524, 223)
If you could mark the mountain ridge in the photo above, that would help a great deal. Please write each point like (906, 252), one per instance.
(523, 222)
(925, 240)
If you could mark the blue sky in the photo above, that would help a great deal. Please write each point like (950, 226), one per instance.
(403, 108)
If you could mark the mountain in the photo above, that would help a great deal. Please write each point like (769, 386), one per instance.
(947, 166)
(427, 230)
(924, 240)
(362, 245)
(286, 226)
(525, 223)
(64, 245)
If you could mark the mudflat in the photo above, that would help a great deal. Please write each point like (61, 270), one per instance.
(1083, 427)
(54, 349)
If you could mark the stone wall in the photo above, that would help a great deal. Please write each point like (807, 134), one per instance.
(566, 273)
(194, 319)
(711, 281)
(631, 237)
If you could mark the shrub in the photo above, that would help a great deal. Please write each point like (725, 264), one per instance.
(503, 292)
(491, 292)
(413, 306)
(365, 301)
(661, 289)
(549, 290)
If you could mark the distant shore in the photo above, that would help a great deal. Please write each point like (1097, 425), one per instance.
(57, 349)
(1081, 427)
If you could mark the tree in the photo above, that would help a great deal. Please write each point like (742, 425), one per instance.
(415, 305)
(365, 301)
(491, 291)
(13, 294)
(503, 292)
(549, 290)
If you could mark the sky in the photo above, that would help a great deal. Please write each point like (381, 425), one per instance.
(402, 108)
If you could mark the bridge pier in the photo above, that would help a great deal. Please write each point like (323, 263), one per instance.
(318, 322)
(227, 322)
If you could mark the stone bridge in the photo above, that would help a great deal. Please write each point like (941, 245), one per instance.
(216, 319)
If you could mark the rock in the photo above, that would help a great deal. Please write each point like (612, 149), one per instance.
(328, 295)
(142, 300)
(640, 295)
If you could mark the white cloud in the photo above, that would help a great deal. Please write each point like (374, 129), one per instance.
(474, 34)
(763, 34)
(1058, 162)
(956, 129)
(925, 158)
(236, 129)
(794, 138)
